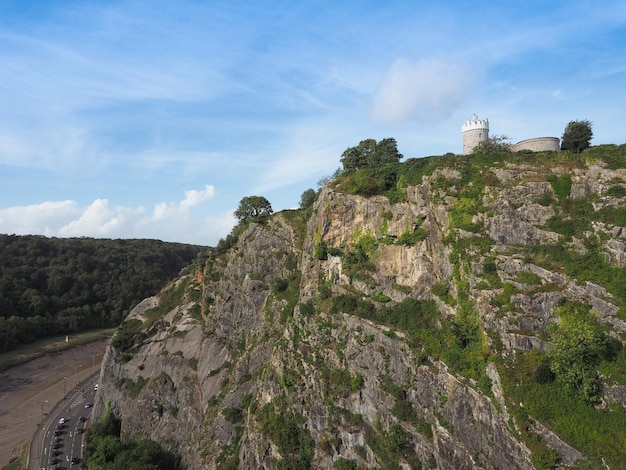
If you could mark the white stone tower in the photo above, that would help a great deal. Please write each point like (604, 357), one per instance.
(474, 131)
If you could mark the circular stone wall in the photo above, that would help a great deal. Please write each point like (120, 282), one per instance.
(538, 144)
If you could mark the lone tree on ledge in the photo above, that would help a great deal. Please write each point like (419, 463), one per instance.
(251, 207)
(577, 136)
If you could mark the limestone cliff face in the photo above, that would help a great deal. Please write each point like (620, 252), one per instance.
(251, 361)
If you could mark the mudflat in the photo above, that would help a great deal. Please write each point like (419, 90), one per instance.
(30, 391)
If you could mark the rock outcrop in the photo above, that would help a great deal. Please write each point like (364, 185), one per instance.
(271, 354)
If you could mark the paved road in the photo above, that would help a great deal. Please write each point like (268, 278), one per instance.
(67, 437)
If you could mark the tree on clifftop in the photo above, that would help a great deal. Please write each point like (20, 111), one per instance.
(370, 153)
(577, 136)
(253, 206)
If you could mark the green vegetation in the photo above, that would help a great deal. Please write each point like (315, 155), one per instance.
(284, 428)
(561, 185)
(598, 432)
(392, 445)
(412, 237)
(344, 464)
(20, 462)
(105, 450)
(254, 208)
(307, 199)
(51, 286)
(577, 136)
(370, 154)
(133, 388)
(578, 345)
(589, 266)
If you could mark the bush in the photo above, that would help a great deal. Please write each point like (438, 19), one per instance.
(294, 443)
(344, 464)
(543, 374)
(561, 185)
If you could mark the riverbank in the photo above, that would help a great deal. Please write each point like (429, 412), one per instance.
(30, 390)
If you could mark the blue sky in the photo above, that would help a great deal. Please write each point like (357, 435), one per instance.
(135, 119)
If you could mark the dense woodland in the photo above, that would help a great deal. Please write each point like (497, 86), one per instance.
(54, 286)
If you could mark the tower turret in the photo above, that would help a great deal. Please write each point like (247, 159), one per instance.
(474, 132)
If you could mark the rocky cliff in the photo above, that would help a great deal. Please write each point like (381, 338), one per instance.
(415, 334)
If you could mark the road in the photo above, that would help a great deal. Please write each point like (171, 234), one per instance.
(61, 437)
(30, 391)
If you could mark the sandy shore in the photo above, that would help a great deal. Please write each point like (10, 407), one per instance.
(28, 390)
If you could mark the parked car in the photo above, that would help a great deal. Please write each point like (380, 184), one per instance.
(88, 405)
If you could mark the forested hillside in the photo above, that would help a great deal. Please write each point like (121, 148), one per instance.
(65, 285)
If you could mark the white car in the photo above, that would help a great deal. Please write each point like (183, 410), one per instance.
(62, 421)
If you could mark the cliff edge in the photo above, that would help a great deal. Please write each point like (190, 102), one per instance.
(418, 333)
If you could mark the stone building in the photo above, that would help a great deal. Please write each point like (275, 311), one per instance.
(476, 130)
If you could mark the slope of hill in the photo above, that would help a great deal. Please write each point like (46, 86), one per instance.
(471, 315)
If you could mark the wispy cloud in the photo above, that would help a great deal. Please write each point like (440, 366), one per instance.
(111, 108)
(429, 89)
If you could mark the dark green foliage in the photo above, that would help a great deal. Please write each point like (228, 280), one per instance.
(370, 153)
(105, 450)
(442, 290)
(614, 156)
(51, 286)
(566, 227)
(127, 336)
(570, 415)
(404, 411)
(498, 144)
(545, 199)
(133, 388)
(352, 305)
(290, 293)
(579, 344)
(617, 190)
(344, 464)
(285, 430)
(543, 374)
(417, 318)
(307, 199)
(526, 277)
(279, 284)
(392, 445)
(307, 309)
(380, 297)
(592, 266)
(233, 415)
(253, 208)
(612, 215)
(320, 251)
(561, 185)
(577, 136)
(412, 238)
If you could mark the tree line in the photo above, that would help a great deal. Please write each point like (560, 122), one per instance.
(51, 286)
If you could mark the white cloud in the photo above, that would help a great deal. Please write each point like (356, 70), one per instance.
(44, 218)
(194, 197)
(430, 89)
(99, 220)
(167, 221)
